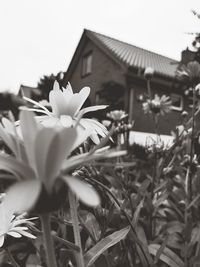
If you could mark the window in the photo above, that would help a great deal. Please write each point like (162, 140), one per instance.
(87, 64)
(177, 102)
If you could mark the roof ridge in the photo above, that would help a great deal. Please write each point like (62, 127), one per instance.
(126, 43)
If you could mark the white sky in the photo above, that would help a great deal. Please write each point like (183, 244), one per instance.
(39, 37)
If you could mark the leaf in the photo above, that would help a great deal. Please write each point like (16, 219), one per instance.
(161, 249)
(137, 213)
(142, 257)
(84, 191)
(143, 252)
(89, 222)
(173, 227)
(143, 187)
(109, 241)
(160, 200)
(167, 256)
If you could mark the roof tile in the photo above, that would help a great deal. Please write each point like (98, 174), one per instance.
(133, 56)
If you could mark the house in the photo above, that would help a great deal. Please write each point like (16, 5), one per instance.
(102, 62)
(28, 91)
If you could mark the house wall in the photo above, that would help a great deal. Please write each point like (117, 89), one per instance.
(145, 122)
(103, 70)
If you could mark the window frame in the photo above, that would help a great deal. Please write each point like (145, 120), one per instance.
(86, 69)
(175, 108)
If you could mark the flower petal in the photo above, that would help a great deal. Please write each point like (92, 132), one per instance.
(1, 240)
(57, 101)
(50, 122)
(25, 233)
(43, 143)
(8, 139)
(77, 101)
(22, 196)
(68, 88)
(53, 147)
(96, 129)
(14, 234)
(15, 167)
(90, 109)
(85, 192)
(29, 129)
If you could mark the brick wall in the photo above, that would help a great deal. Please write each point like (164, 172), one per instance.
(145, 122)
(103, 70)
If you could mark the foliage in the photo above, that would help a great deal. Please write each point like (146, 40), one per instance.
(94, 205)
(112, 94)
(45, 84)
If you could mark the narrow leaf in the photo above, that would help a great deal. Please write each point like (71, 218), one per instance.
(167, 256)
(104, 244)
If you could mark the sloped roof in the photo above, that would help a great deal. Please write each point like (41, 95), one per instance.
(133, 56)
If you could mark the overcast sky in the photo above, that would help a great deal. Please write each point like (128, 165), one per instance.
(39, 37)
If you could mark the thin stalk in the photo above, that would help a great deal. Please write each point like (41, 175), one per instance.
(191, 149)
(64, 242)
(154, 177)
(48, 241)
(149, 89)
(11, 258)
(188, 184)
(153, 185)
(74, 216)
(186, 217)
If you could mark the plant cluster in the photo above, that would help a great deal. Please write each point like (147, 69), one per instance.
(75, 193)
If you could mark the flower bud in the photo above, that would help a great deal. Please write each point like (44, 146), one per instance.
(184, 114)
(130, 126)
(187, 92)
(155, 106)
(148, 73)
(197, 89)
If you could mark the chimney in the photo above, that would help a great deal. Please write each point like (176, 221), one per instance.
(187, 56)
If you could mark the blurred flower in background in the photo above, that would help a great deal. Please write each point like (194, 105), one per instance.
(117, 115)
(158, 105)
(190, 73)
(11, 224)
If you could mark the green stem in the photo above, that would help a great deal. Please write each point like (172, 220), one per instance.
(149, 89)
(186, 217)
(191, 150)
(48, 241)
(74, 215)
